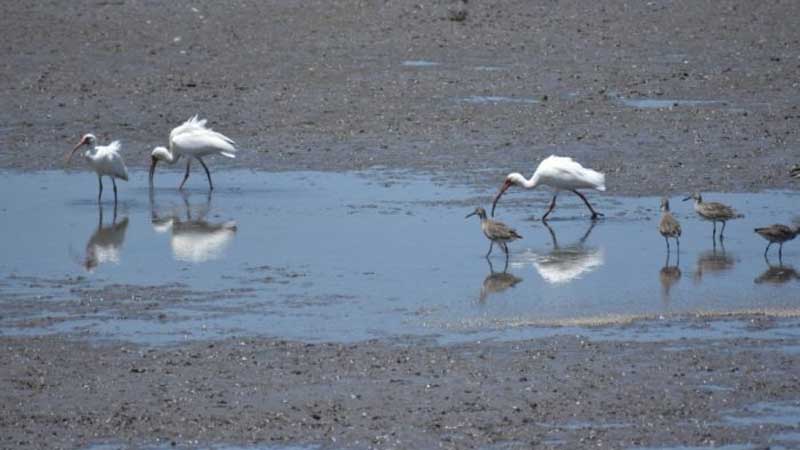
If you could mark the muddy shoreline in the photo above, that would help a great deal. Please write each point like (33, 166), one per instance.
(399, 85)
(564, 392)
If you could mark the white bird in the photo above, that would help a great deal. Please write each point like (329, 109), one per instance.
(560, 173)
(105, 160)
(193, 140)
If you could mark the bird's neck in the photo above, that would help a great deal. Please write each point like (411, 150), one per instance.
(172, 158)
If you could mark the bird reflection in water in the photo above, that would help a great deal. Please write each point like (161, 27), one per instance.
(669, 276)
(713, 261)
(564, 263)
(105, 244)
(497, 282)
(777, 274)
(193, 238)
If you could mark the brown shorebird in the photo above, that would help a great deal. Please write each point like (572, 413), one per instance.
(496, 232)
(794, 172)
(777, 233)
(713, 212)
(669, 226)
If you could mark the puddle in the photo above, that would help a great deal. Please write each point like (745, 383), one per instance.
(766, 413)
(419, 63)
(353, 256)
(652, 103)
(485, 99)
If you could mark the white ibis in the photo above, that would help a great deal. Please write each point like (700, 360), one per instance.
(105, 160)
(193, 140)
(560, 173)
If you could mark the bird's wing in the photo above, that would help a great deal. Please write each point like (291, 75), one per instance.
(503, 231)
(203, 141)
(192, 124)
(566, 173)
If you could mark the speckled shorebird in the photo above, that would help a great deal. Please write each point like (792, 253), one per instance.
(669, 226)
(713, 212)
(794, 172)
(496, 232)
(777, 233)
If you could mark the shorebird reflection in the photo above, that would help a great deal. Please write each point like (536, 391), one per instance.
(497, 282)
(563, 264)
(713, 261)
(669, 276)
(105, 243)
(777, 274)
(193, 239)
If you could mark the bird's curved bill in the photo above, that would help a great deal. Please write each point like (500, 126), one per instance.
(470, 214)
(153, 162)
(506, 185)
(687, 198)
(69, 156)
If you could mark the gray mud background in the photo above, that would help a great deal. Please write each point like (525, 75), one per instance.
(322, 85)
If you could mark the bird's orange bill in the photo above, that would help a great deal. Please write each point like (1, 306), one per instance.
(506, 185)
(153, 162)
(69, 157)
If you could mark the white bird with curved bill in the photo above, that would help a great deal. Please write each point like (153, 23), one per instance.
(193, 140)
(105, 160)
(560, 173)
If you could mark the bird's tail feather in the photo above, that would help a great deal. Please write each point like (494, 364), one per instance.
(229, 155)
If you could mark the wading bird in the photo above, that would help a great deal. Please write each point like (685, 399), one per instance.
(560, 173)
(105, 160)
(496, 232)
(669, 226)
(713, 212)
(777, 233)
(194, 141)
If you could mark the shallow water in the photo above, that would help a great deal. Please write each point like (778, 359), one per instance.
(351, 256)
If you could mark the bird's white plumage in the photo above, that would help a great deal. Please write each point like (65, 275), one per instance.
(106, 160)
(194, 139)
(562, 172)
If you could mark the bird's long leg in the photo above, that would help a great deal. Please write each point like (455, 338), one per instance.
(767, 249)
(780, 253)
(722, 231)
(208, 174)
(100, 182)
(666, 239)
(505, 267)
(114, 182)
(114, 217)
(678, 243)
(504, 246)
(550, 209)
(678, 258)
(491, 246)
(714, 232)
(595, 214)
(186, 175)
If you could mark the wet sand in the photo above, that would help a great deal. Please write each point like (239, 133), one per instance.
(566, 392)
(323, 86)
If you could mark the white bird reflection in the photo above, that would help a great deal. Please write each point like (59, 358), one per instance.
(563, 264)
(497, 282)
(105, 243)
(193, 239)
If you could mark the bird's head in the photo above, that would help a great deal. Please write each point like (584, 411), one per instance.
(87, 139)
(479, 211)
(159, 154)
(512, 179)
(664, 204)
(695, 196)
